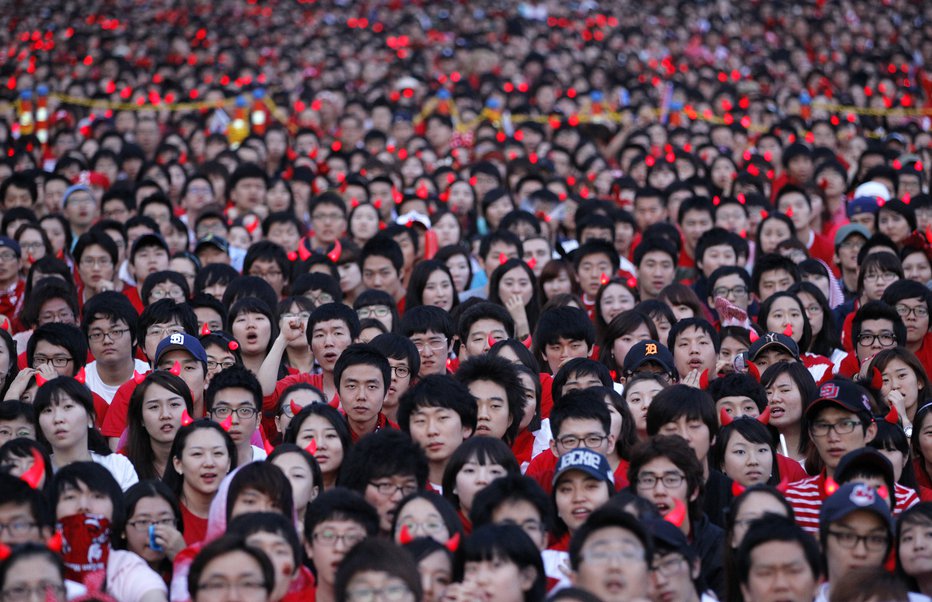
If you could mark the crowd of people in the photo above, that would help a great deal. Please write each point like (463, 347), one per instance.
(406, 301)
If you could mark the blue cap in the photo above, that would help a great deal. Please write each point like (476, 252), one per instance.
(862, 204)
(850, 498)
(184, 341)
(73, 189)
(592, 463)
(9, 243)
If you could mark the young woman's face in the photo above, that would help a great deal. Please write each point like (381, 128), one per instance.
(95, 267)
(813, 311)
(421, 519)
(638, 397)
(438, 291)
(559, 285)
(277, 197)
(350, 276)
(499, 579)
(730, 348)
(893, 224)
(473, 478)
(65, 423)
(786, 405)
(916, 267)
(303, 487)
(786, 313)
(615, 299)
(436, 572)
(915, 546)
(753, 507)
(330, 451)
(625, 342)
(204, 461)
(530, 399)
(516, 282)
(447, 230)
(235, 566)
(746, 462)
(161, 413)
(364, 223)
(253, 331)
(149, 510)
(82, 500)
(577, 495)
(459, 269)
(55, 232)
(461, 199)
(876, 281)
(898, 376)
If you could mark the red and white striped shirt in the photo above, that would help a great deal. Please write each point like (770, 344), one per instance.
(806, 497)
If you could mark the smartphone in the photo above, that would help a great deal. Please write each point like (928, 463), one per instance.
(152, 543)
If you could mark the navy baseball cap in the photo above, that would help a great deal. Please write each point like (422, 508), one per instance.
(9, 243)
(181, 340)
(773, 340)
(850, 498)
(644, 352)
(862, 204)
(592, 463)
(843, 394)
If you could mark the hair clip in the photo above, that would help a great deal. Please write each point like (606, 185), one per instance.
(205, 329)
(527, 342)
(36, 471)
(737, 489)
(336, 251)
(186, 418)
(676, 516)
(892, 417)
(453, 543)
(724, 418)
(268, 447)
(704, 379)
(764, 418)
(232, 345)
(754, 371)
(55, 542)
(876, 379)
(532, 262)
(138, 377)
(788, 331)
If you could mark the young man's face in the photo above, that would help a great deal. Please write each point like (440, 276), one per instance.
(401, 380)
(524, 514)
(693, 350)
(16, 428)
(271, 272)
(407, 250)
(110, 341)
(779, 571)
(329, 543)
(601, 573)
(769, 357)
(832, 446)
(47, 353)
(21, 524)
(439, 431)
(380, 274)
(867, 553)
(386, 504)
(230, 402)
(916, 326)
(193, 372)
(362, 392)
(148, 260)
(774, 281)
(248, 193)
(496, 250)
(876, 335)
(577, 432)
(846, 253)
(717, 256)
(695, 431)
(480, 334)
(663, 496)
(493, 417)
(795, 206)
(433, 348)
(655, 272)
(695, 223)
(592, 269)
(672, 578)
(328, 340)
(563, 350)
(732, 288)
(649, 211)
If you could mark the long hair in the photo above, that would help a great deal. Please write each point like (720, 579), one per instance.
(532, 307)
(624, 323)
(418, 280)
(138, 442)
(56, 392)
(826, 341)
(172, 477)
(765, 308)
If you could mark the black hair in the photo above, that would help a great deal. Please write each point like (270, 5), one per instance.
(523, 354)
(764, 313)
(570, 323)
(420, 320)
(44, 291)
(826, 341)
(380, 556)
(99, 238)
(737, 384)
(15, 491)
(606, 517)
(234, 377)
(418, 281)
(510, 489)
(340, 503)
(292, 448)
(754, 432)
(172, 477)
(229, 544)
(437, 391)
(264, 478)
(397, 347)
(254, 288)
(772, 262)
(502, 373)
(879, 262)
(649, 245)
(385, 453)
(141, 490)
(505, 543)
(678, 401)
(381, 245)
(502, 236)
(54, 392)
(202, 300)
(773, 527)
(675, 449)
(446, 511)
(138, 441)
(877, 310)
(580, 366)
(485, 451)
(699, 324)
(160, 277)
(112, 306)
(362, 354)
(96, 477)
(581, 405)
(214, 273)
(317, 281)
(62, 335)
(333, 311)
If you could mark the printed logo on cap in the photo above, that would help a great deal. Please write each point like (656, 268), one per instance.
(176, 339)
(829, 391)
(650, 349)
(862, 495)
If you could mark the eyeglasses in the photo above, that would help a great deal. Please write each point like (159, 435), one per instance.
(880, 277)
(113, 335)
(212, 365)
(401, 371)
(62, 316)
(163, 332)
(670, 566)
(390, 593)
(253, 589)
(34, 246)
(89, 262)
(303, 315)
(604, 555)
(849, 540)
(373, 311)
(572, 441)
(918, 311)
(329, 537)
(8, 256)
(822, 429)
(45, 591)
(320, 299)
(17, 528)
(886, 338)
(176, 293)
(735, 291)
(266, 275)
(58, 362)
(223, 412)
(669, 480)
(386, 488)
(813, 309)
(426, 527)
(434, 344)
(143, 524)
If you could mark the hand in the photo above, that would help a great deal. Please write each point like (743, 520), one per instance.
(171, 540)
(515, 307)
(692, 379)
(898, 401)
(293, 330)
(20, 383)
(47, 371)
(723, 367)
(462, 592)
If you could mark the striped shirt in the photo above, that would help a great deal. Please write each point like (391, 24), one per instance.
(806, 497)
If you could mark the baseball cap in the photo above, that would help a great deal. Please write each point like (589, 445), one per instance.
(843, 394)
(848, 230)
(181, 340)
(413, 217)
(872, 189)
(73, 189)
(668, 538)
(9, 243)
(212, 240)
(773, 340)
(862, 204)
(592, 463)
(850, 498)
(644, 352)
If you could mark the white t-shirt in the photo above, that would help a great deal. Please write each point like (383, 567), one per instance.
(96, 385)
(130, 578)
(120, 467)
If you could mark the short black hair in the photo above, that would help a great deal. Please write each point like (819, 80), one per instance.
(384, 453)
(99, 238)
(677, 401)
(877, 310)
(603, 518)
(362, 354)
(499, 235)
(596, 247)
(263, 477)
(698, 323)
(437, 391)
(510, 489)
(771, 262)
(63, 335)
(333, 311)
(676, 450)
(584, 404)
(714, 237)
(340, 504)
(740, 385)
(503, 373)
(568, 322)
(773, 527)
(649, 245)
(381, 245)
(230, 378)
(112, 306)
(581, 366)
(424, 318)
(484, 310)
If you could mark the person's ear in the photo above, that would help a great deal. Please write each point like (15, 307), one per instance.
(870, 433)
(695, 569)
(176, 464)
(527, 576)
(308, 549)
(553, 448)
